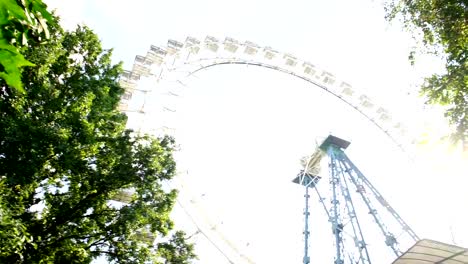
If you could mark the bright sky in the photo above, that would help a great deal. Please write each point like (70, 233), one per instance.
(243, 129)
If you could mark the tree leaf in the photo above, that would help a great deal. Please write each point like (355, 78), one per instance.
(41, 7)
(12, 60)
(13, 9)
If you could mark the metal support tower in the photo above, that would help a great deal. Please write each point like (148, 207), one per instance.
(308, 180)
(308, 177)
(344, 176)
(306, 259)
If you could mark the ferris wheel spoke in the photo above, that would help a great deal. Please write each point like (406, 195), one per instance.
(194, 55)
(177, 62)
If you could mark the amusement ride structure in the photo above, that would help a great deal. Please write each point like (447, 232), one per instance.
(345, 180)
(159, 78)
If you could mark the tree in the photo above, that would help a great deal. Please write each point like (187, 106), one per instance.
(183, 252)
(64, 155)
(443, 28)
(20, 23)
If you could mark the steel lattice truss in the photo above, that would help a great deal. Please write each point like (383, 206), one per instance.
(159, 78)
(348, 187)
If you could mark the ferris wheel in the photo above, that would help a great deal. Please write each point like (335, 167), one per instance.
(165, 69)
(160, 78)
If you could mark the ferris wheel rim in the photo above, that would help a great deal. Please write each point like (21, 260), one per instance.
(175, 52)
(321, 86)
(178, 55)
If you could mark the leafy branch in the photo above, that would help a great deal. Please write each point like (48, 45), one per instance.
(21, 22)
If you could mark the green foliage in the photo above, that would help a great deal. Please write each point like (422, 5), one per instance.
(21, 22)
(13, 233)
(183, 252)
(65, 153)
(442, 26)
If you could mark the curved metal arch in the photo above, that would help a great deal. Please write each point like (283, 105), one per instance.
(181, 60)
(309, 80)
(193, 55)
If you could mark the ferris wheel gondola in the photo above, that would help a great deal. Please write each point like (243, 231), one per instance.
(160, 77)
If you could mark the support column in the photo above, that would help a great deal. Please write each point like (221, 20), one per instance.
(306, 228)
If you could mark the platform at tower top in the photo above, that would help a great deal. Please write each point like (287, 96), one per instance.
(336, 141)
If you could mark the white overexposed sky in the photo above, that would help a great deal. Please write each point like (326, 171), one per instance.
(243, 129)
